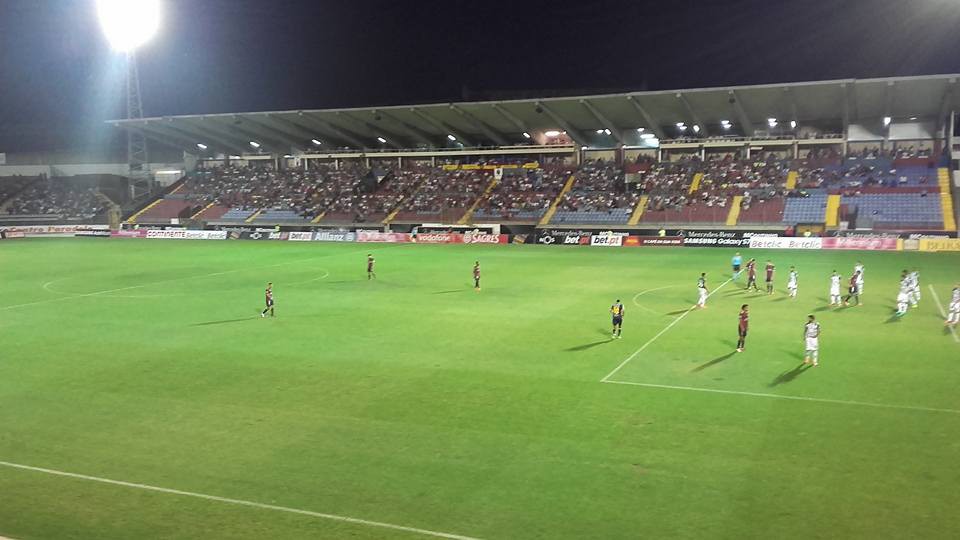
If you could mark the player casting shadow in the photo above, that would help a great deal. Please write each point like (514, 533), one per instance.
(782, 299)
(893, 319)
(448, 292)
(713, 362)
(823, 308)
(224, 322)
(586, 346)
(672, 313)
(788, 376)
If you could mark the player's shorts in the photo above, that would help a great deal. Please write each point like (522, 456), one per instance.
(742, 332)
(813, 343)
(736, 268)
(617, 321)
(792, 286)
(769, 279)
(369, 269)
(834, 292)
(853, 290)
(270, 303)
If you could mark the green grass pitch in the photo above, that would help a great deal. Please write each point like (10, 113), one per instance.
(414, 401)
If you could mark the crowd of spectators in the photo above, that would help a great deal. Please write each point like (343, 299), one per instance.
(451, 190)
(60, 197)
(526, 192)
(599, 186)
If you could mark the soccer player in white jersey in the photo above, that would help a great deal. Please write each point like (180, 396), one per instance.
(811, 335)
(835, 289)
(859, 268)
(702, 290)
(792, 282)
(953, 317)
(914, 292)
(903, 299)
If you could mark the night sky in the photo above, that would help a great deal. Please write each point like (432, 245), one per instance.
(56, 71)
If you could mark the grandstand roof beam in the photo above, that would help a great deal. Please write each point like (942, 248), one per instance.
(391, 136)
(414, 132)
(793, 104)
(741, 113)
(850, 112)
(208, 137)
(492, 134)
(653, 124)
(946, 104)
(340, 133)
(693, 114)
(292, 128)
(441, 126)
(614, 130)
(150, 131)
(294, 142)
(521, 125)
(888, 99)
(572, 132)
(235, 129)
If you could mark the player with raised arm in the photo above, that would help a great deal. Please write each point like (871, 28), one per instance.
(371, 274)
(616, 311)
(269, 301)
(853, 290)
(743, 325)
(702, 290)
(770, 269)
(835, 289)
(953, 316)
(476, 276)
(792, 282)
(811, 335)
(751, 275)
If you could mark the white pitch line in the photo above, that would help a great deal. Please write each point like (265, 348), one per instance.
(660, 333)
(641, 293)
(942, 312)
(241, 502)
(795, 398)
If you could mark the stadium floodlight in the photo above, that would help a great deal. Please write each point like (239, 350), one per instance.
(647, 136)
(584, 147)
(641, 130)
(696, 128)
(793, 124)
(551, 133)
(606, 132)
(382, 140)
(316, 142)
(725, 124)
(129, 24)
(681, 125)
(913, 117)
(886, 121)
(201, 146)
(526, 135)
(255, 144)
(599, 132)
(451, 138)
(772, 122)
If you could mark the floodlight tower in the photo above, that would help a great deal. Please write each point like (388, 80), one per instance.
(128, 24)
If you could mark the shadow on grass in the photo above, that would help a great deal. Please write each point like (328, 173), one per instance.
(448, 292)
(713, 362)
(822, 308)
(788, 376)
(672, 313)
(894, 319)
(227, 321)
(586, 346)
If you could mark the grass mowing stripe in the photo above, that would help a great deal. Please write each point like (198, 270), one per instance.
(942, 312)
(334, 517)
(660, 333)
(796, 398)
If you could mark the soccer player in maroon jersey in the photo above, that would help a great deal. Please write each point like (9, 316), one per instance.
(370, 262)
(770, 270)
(476, 276)
(269, 299)
(751, 275)
(742, 327)
(853, 289)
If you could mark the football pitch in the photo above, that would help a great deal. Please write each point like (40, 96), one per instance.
(142, 395)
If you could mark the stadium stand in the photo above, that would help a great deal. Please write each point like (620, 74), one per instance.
(53, 198)
(522, 194)
(600, 195)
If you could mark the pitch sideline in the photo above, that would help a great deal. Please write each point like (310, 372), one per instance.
(241, 502)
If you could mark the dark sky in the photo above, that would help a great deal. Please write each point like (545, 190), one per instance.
(239, 55)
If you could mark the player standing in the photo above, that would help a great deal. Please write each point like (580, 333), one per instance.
(915, 287)
(835, 289)
(702, 290)
(770, 269)
(476, 276)
(853, 290)
(954, 316)
(269, 301)
(792, 282)
(736, 262)
(811, 334)
(371, 274)
(751, 275)
(903, 299)
(859, 268)
(742, 327)
(616, 310)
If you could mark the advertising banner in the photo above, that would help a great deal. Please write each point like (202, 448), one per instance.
(939, 244)
(606, 240)
(50, 230)
(720, 238)
(564, 238)
(186, 234)
(260, 235)
(437, 238)
(780, 242)
(665, 241)
(878, 243)
(334, 236)
(14, 234)
(300, 236)
(129, 233)
(375, 236)
(477, 237)
(91, 232)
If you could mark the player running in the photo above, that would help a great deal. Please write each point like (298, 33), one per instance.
(702, 290)
(735, 263)
(770, 269)
(792, 282)
(742, 327)
(371, 274)
(903, 302)
(751, 275)
(476, 276)
(811, 334)
(914, 292)
(859, 268)
(953, 317)
(269, 301)
(853, 290)
(616, 310)
(835, 289)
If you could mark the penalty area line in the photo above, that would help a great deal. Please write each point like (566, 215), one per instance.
(942, 312)
(241, 502)
(660, 333)
(794, 398)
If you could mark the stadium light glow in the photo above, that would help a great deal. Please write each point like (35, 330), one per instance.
(255, 144)
(725, 124)
(793, 124)
(552, 133)
(526, 135)
(641, 130)
(201, 146)
(451, 137)
(886, 121)
(599, 132)
(913, 117)
(382, 140)
(696, 128)
(316, 142)
(681, 125)
(128, 24)
(647, 136)
(772, 122)
(606, 132)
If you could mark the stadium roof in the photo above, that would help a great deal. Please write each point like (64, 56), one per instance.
(827, 105)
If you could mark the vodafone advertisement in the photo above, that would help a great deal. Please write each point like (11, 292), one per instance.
(879, 244)
(457, 238)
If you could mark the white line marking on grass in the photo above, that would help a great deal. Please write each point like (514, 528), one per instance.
(240, 502)
(943, 313)
(660, 333)
(795, 398)
(641, 293)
